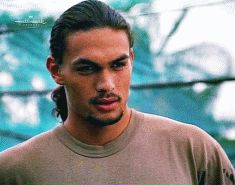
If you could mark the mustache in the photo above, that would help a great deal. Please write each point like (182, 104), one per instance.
(95, 100)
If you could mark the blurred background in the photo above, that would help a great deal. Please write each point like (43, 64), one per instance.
(184, 64)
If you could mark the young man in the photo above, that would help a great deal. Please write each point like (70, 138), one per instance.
(102, 140)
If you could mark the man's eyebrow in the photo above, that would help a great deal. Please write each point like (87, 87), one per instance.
(122, 57)
(83, 61)
(86, 61)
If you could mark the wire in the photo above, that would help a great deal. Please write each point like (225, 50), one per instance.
(172, 31)
(183, 8)
(5, 31)
(214, 81)
(176, 84)
(15, 135)
(25, 93)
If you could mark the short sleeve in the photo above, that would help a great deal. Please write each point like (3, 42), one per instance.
(217, 168)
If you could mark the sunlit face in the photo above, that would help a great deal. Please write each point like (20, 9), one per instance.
(96, 72)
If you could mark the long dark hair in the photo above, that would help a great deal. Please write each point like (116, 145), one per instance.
(83, 16)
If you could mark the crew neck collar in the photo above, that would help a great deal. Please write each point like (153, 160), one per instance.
(95, 151)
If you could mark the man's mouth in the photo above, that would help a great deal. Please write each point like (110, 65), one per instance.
(106, 104)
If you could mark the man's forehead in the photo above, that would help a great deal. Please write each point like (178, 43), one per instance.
(105, 43)
(97, 35)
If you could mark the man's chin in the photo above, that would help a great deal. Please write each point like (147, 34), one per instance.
(96, 121)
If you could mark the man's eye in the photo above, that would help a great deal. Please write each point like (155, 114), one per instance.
(86, 69)
(118, 65)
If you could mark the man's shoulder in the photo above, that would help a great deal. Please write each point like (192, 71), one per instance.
(22, 151)
(164, 123)
(181, 136)
(172, 129)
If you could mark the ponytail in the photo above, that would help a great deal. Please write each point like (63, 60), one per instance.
(59, 97)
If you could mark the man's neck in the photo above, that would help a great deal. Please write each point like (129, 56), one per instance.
(97, 135)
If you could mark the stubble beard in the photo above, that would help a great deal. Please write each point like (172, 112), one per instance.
(99, 122)
(93, 120)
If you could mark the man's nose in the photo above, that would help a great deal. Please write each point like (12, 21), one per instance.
(105, 82)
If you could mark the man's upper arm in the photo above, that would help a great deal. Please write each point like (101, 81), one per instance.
(214, 165)
(9, 168)
(220, 168)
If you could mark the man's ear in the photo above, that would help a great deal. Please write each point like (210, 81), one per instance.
(54, 69)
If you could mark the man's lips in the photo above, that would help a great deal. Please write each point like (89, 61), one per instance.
(106, 100)
(106, 104)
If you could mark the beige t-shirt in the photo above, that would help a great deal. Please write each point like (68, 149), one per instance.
(152, 150)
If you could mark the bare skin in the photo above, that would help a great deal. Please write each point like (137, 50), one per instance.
(96, 73)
